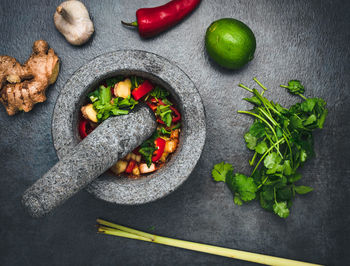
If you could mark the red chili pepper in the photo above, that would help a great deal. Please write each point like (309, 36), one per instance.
(160, 144)
(142, 90)
(151, 21)
(82, 128)
(130, 166)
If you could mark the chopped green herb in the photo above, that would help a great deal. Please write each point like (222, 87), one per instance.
(163, 131)
(148, 148)
(165, 114)
(159, 93)
(105, 107)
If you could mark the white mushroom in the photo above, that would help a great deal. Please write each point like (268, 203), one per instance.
(73, 21)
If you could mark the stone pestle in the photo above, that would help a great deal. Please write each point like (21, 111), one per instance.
(111, 140)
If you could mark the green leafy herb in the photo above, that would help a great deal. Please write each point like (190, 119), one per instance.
(303, 189)
(148, 148)
(165, 132)
(281, 209)
(282, 141)
(105, 107)
(220, 171)
(159, 93)
(294, 87)
(165, 114)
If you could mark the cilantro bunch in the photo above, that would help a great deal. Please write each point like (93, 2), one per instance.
(282, 142)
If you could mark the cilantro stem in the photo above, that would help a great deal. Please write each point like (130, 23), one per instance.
(274, 194)
(263, 182)
(259, 83)
(267, 123)
(245, 87)
(262, 157)
(251, 162)
(269, 117)
(302, 96)
(290, 149)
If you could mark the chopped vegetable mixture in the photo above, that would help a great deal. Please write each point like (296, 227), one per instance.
(118, 96)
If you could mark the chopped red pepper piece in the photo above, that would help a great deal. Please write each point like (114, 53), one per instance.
(82, 128)
(152, 106)
(160, 121)
(142, 90)
(177, 115)
(130, 166)
(160, 144)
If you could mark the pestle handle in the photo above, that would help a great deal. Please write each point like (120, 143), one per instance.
(112, 139)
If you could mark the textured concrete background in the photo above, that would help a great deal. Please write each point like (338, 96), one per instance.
(308, 40)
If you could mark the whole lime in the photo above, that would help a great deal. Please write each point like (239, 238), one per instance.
(230, 43)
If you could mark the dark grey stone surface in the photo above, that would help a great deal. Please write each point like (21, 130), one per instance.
(308, 40)
(86, 161)
(160, 71)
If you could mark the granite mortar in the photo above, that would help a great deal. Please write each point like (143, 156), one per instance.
(159, 71)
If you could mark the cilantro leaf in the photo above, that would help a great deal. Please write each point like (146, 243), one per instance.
(266, 203)
(250, 140)
(303, 189)
(242, 185)
(281, 209)
(294, 178)
(257, 129)
(105, 94)
(312, 118)
(272, 160)
(220, 171)
(254, 100)
(237, 200)
(294, 87)
(287, 170)
(261, 148)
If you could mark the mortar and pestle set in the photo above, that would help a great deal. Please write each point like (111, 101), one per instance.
(84, 163)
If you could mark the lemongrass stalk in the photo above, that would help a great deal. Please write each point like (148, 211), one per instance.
(125, 229)
(226, 252)
(116, 232)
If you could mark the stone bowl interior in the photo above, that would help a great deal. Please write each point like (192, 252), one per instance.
(159, 71)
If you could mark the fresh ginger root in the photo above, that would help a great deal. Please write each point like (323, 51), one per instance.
(22, 86)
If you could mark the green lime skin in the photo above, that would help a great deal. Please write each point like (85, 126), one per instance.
(230, 43)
